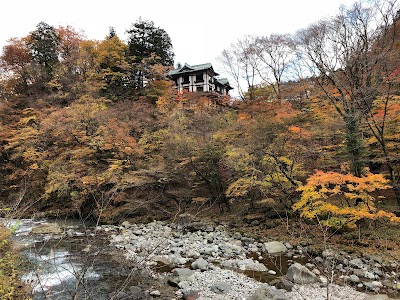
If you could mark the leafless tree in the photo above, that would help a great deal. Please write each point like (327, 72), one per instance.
(275, 52)
(241, 63)
(348, 56)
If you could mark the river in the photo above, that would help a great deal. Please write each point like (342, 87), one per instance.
(79, 264)
(85, 261)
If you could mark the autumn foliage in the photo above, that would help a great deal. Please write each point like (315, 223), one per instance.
(341, 200)
(97, 130)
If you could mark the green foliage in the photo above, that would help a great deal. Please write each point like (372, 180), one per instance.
(44, 43)
(148, 45)
(145, 39)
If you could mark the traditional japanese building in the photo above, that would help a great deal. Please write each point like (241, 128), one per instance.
(199, 78)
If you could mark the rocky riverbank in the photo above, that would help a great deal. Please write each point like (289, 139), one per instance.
(205, 261)
(192, 259)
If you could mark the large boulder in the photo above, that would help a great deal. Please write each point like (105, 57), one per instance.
(252, 265)
(180, 274)
(300, 274)
(48, 228)
(200, 264)
(275, 248)
(267, 292)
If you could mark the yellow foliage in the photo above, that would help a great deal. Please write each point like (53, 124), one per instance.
(10, 286)
(241, 187)
(34, 166)
(342, 199)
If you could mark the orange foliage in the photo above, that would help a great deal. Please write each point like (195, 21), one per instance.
(243, 116)
(342, 199)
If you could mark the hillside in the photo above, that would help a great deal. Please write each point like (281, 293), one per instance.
(95, 130)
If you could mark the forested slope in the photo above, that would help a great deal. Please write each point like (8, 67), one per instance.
(95, 128)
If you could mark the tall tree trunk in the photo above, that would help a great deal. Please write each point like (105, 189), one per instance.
(354, 144)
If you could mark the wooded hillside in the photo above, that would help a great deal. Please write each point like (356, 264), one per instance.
(95, 128)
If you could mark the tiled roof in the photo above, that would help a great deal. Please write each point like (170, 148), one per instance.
(188, 69)
(224, 81)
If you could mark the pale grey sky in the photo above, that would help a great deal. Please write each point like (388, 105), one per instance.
(199, 30)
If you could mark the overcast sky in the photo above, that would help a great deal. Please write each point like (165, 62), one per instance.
(199, 30)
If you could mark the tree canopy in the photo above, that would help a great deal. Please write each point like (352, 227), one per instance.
(96, 127)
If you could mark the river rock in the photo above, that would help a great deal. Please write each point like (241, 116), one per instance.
(377, 283)
(323, 281)
(193, 253)
(200, 264)
(301, 275)
(328, 253)
(275, 247)
(125, 224)
(319, 260)
(177, 260)
(267, 292)
(180, 274)
(190, 295)
(220, 288)
(370, 286)
(211, 250)
(356, 262)
(288, 245)
(252, 265)
(282, 283)
(359, 273)
(155, 293)
(375, 258)
(50, 228)
(184, 285)
(354, 278)
(247, 241)
(252, 248)
(369, 275)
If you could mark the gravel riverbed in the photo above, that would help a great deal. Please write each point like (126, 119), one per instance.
(209, 264)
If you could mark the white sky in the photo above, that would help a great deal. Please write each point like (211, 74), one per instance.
(199, 30)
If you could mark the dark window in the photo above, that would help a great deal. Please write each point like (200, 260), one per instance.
(200, 88)
(186, 79)
(199, 78)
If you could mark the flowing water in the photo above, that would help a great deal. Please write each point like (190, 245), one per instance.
(78, 265)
